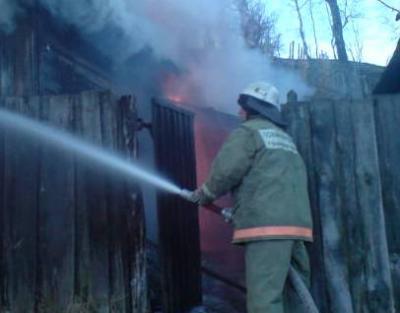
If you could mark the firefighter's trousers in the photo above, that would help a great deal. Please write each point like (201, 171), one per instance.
(267, 267)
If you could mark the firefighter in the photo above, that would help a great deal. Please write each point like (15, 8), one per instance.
(260, 165)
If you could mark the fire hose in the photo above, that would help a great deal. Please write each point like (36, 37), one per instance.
(294, 277)
(66, 141)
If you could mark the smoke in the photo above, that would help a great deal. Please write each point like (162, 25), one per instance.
(201, 37)
(10, 9)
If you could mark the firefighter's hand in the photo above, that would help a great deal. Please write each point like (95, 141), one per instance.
(199, 197)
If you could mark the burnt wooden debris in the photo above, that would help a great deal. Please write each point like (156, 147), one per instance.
(179, 239)
(71, 234)
(352, 156)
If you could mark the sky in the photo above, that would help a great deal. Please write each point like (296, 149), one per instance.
(378, 30)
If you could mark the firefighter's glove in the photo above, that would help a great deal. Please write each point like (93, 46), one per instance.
(200, 198)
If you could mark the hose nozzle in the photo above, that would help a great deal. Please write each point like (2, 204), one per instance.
(187, 195)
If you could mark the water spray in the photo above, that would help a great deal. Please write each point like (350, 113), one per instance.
(61, 139)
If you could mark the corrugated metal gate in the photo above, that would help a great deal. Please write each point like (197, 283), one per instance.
(178, 219)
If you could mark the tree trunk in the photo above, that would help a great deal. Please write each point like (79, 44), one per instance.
(337, 30)
(311, 11)
(303, 36)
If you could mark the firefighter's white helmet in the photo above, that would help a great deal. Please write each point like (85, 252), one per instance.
(263, 91)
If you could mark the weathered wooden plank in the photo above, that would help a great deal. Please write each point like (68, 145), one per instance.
(367, 175)
(3, 294)
(96, 206)
(5, 67)
(387, 115)
(21, 184)
(74, 242)
(299, 126)
(387, 127)
(134, 242)
(57, 227)
(394, 215)
(136, 252)
(81, 219)
(350, 210)
(119, 296)
(324, 147)
(8, 206)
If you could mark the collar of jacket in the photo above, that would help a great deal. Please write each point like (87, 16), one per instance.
(267, 111)
(278, 122)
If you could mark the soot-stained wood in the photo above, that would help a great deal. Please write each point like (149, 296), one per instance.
(387, 114)
(43, 56)
(324, 145)
(57, 204)
(377, 264)
(349, 208)
(351, 158)
(300, 129)
(72, 232)
(96, 203)
(20, 214)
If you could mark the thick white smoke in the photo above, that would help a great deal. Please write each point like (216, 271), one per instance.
(9, 10)
(202, 37)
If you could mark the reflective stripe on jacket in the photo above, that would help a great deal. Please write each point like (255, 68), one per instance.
(261, 166)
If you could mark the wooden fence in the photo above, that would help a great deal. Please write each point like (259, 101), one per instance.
(71, 234)
(387, 117)
(352, 151)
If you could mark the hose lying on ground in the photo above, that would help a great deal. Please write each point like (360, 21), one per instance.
(302, 291)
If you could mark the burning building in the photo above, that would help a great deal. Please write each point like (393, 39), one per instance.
(47, 55)
(72, 252)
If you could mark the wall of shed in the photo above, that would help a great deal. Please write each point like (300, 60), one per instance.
(43, 57)
(71, 233)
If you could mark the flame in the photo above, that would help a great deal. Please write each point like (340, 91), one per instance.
(183, 89)
(175, 98)
(176, 88)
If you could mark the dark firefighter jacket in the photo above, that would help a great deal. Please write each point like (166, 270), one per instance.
(261, 166)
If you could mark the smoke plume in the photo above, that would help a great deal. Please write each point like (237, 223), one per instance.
(10, 9)
(201, 37)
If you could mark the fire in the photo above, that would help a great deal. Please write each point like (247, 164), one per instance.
(174, 88)
(175, 98)
(180, 89)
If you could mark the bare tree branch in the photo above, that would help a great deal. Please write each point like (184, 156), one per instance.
(301, 29)
(331, 25)
(389, 6)
(259, 27)
(357, 43)
(311, 11)
(337, 30)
